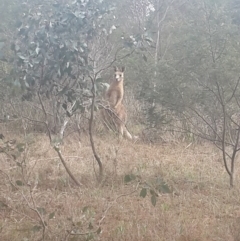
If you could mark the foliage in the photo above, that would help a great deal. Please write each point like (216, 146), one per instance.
(154, 187)
(197, 42)
(180, 52)
(53, 53)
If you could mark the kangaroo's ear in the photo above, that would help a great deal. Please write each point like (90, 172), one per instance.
(115, 68)
(123, 68)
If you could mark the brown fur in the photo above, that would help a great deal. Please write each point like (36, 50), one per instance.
(115, 92)
(116, 116)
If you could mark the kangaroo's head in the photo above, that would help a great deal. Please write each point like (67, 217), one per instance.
(119, 74)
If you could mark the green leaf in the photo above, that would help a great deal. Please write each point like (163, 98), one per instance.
(19, 183)
(22, 31)
(129, 178)
(51, 215)
(154, 200)
(164, 188)
(143, 192)
(21, 147)
(90, 226)
(64, 106)
(85, 209)
(148, 39)
(79, 224)
(42, 211)
(153, 192)
(36, 228)
(99, 230)
(22, 57)
(99, 80)
(96, 107)
(144, 57)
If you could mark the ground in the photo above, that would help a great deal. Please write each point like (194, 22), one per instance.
(200, 206)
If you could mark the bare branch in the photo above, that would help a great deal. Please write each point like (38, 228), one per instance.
(45, 114)
(224, 132)
(234, 91)
(65, 165)
(90, 129)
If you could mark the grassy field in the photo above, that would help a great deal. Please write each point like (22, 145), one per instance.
(200, 206)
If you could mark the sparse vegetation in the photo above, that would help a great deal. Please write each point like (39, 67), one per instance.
(200, 205)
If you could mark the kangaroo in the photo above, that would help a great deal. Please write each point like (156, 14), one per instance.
(116, 116)
(115, 92)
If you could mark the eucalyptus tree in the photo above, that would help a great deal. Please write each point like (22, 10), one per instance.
(198, 76)
(61, 49)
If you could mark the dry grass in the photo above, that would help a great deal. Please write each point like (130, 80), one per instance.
(201, 206)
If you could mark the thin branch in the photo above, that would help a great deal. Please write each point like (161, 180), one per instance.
(234, 90)
(45, 114)
(98, 229)
(205, 121)
(224, 132)
(65, 165)
(115, 200)
(114, 60)
(34, 209)
(184, 131)
(90, 129)
(108, 109)
(235, 151)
